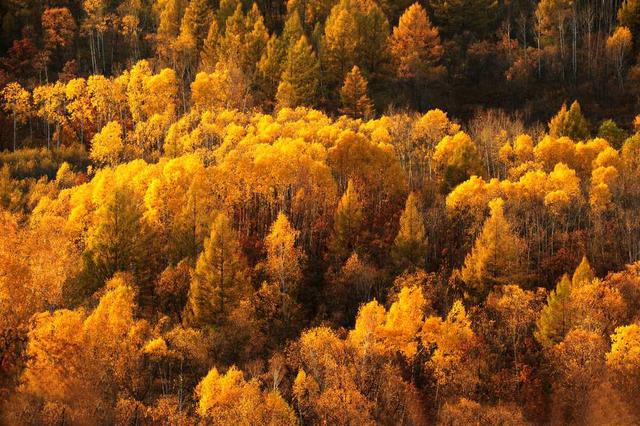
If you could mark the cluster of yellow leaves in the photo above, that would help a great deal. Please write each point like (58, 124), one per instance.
(81, 361)
(384, 333)
(229, 399)
(31, 279)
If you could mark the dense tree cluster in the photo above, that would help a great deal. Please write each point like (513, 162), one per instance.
(206, 219)
(287, 53)
(224, 265)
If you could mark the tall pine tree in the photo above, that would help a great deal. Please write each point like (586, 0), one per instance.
(410, 243)
(496, 257)
(353, 95)
(301, 77)
(219, 280)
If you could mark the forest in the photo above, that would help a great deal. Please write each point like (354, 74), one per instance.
(319, 212)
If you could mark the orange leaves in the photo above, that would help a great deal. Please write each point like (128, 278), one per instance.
(415, 44)
(353, 95)
(284, 258)
(386, 333)
(59, 27)
(454, 342)
(80, 361)
(228, 398)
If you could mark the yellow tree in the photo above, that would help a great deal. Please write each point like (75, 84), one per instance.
(149, 94)
(107, 146)
(179, 205)
(81, 363)
(36, 260)
(94, 26)
(618, 47)
(466, 412)
(598, 306)
(326, 387)
(623, 361)
(17, 102)
(517, 311)
(219, 280)
(583, 274)
(225, 87)
(454, 342)
(49, 102)
(347, 222)
(283, 256)
(108, 97)
(353, 95)
(457, 158)
(410, 244)
(229, 399)
(79, 106)
(497, 254)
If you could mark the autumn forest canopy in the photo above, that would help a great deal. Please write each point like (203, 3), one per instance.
(319, 212)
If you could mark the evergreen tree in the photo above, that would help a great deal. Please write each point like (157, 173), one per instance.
(196, 21)
(170, 19)
(556, 317)
(255, 40)
(355, 102)
(113, 241)
(570, 123)
(355, 33)
(455, 17)
(209, 55)
(415, 45)
(583, 274)
(300, 79)
(496, 257)
(339, 43)
(347, 223)
(292, 31)
(410, 243)
(284, 258)
(219, 280)
(225, 10)
(232, 39)
(270, 66)
(576, 126)
(610, 131)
